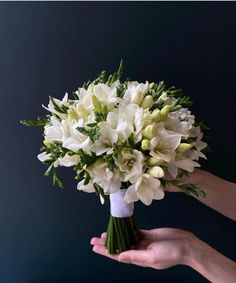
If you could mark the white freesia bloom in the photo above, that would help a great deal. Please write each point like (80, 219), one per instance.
(182, 162)
(67, 160)
(108, 180)
(105, 142)
(86, 188)
(43, 156)
(57, 130)
(60, 103)
(163, 146)
(76, 140)
(198, 144)
(130, 164)
(180, 121)
(135, 92)
(146, 188)
(105, 94)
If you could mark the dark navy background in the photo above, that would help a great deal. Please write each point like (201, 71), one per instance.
(50, 48)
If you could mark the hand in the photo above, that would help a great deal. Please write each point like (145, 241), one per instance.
(157, 248)
(166, 247)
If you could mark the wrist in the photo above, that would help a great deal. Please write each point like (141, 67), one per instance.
(193, 251)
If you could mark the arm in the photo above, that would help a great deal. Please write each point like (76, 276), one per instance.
(165, 247)
(220, 194)
(211, 264)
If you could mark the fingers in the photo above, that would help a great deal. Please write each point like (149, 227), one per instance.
(97, 241)
(99, 249)
(104, 235)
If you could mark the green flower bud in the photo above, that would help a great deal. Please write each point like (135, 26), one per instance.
(104, 108)
(147, 102)
(72, 115)
(46, 142)
(165, 111)
(156, 172)
(183, 147)
(138, 98)
(145, 145)
(96, 104)
(152, 161)
(151, 85)
(156, 114)
(149, 132)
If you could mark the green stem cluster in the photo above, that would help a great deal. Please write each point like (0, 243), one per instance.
(121, 234)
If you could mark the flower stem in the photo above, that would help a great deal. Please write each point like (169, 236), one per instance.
(121, 234)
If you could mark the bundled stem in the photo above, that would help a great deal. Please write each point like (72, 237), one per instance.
(121, 234)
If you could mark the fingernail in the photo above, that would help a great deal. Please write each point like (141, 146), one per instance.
(91, 241)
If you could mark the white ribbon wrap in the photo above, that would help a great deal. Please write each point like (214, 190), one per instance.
(119, 208)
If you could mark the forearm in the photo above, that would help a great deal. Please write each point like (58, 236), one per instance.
(220, 194)
(211, 264)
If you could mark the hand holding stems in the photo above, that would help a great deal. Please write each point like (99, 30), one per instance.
(166, 247)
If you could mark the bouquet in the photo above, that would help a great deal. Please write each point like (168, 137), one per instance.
(126, 141)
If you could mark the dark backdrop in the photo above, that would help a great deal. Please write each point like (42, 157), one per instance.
(49, 48)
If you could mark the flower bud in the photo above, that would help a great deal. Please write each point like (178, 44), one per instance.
(46, 142)
(138, 98)
(183, 147)
(156, 115)
(96, 104)
(104, 108)
(152, 161)
(151, 85)
(72, 115)
(145, 145)
(149, 132)
(156, 172)
(164, 112)
(147, 102)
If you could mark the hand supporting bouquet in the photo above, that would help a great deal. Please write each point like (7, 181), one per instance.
(122, 139)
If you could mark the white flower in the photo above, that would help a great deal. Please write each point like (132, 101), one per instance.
(105, 94)
(86, 188)
(56, 131)
(76, 140)
(108, 180)
(177, 124)
(135, 92)
(146, 188)
(67, 160)
(60, 103)
(43, 156)
(182, 162)
(164, 144)
(198, 144)
(105, 142)
(130, 164)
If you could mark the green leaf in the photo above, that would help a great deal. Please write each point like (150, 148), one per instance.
(189, 189)
(86, 159)
(184, 101)
(56, 179)
(47, 173)
(35, 123)
(93, 132)
(120, 90)
(110, 159)
(63, 109)
(99, 190)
